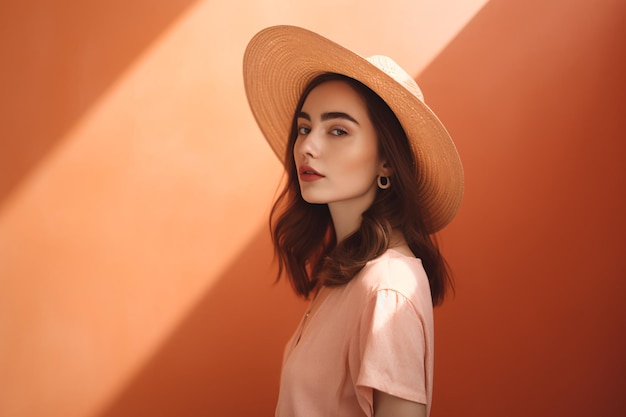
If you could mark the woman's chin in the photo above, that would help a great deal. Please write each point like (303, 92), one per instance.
(311, 199)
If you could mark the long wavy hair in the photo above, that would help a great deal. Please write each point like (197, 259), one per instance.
(303, 233)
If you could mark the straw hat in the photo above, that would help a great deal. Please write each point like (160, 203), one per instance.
(280, 61)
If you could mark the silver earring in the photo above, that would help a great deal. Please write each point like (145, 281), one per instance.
(383, 182)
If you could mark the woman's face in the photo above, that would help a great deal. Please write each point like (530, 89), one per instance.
(336, 150)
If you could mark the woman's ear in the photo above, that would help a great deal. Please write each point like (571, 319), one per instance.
(384, 169)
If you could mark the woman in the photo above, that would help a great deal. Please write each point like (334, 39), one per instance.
(371, 175)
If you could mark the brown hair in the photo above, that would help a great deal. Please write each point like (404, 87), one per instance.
(303, 234)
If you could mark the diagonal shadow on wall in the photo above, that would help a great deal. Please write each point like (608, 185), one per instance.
(226, 353)
(532, 91)
(57, 59)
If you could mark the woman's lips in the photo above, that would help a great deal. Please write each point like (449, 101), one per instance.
(308, 174)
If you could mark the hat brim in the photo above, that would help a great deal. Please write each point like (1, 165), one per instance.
(279, 63)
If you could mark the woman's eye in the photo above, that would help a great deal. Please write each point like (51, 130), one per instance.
(337, 131)
(302, 130)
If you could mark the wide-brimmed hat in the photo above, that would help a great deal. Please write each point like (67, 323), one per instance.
(279, 63)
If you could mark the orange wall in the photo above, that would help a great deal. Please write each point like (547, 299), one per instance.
(533, 92)
(135, 274)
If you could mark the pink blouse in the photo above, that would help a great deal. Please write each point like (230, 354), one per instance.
(376, 332)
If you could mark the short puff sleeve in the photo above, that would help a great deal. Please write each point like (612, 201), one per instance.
(388, 351)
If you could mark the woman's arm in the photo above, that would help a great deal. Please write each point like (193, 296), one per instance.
(386, 405)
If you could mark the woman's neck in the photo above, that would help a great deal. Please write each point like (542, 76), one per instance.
(345, 223)
(347, 216)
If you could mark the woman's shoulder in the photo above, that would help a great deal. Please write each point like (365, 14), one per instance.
(394, 270)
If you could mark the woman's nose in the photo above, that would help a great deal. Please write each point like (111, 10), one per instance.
(308, 145)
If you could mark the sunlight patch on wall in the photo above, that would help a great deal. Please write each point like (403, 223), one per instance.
(122, 226)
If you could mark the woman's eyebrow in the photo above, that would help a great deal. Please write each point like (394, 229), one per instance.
(328, 116)
(303, 115)
(338, 115)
